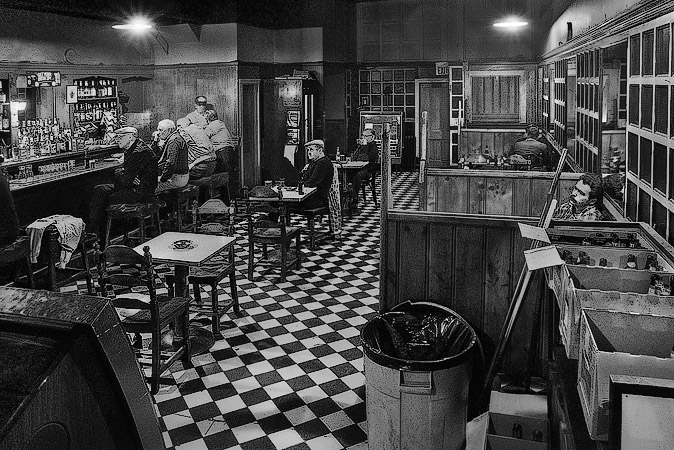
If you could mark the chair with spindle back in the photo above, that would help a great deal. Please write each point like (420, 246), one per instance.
(122, 266)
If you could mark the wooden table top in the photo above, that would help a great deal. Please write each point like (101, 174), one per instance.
(188, 249)
(290, 194)
(350, 164)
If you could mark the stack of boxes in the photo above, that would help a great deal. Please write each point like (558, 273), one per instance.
(615, 318)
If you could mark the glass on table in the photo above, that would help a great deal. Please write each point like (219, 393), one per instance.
(282, 182)
(268, 183)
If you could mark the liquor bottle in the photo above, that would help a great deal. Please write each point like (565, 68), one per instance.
(338, 157)
(655, 287)
(652, 263)
(583, 258)
(300, 184)
(603, 262)
(109, 89)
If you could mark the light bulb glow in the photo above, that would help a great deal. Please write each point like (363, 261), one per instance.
(511, 24)
(137, 24)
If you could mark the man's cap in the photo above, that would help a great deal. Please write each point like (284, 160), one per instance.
(316, 142)
(127, 130)
(200, 100)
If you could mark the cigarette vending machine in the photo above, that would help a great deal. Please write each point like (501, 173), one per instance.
(291, 119)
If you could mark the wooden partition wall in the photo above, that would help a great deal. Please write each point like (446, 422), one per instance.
(468, 263)
(491, 192)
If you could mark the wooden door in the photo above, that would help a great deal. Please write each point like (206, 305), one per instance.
(434, 97)
(249, 114)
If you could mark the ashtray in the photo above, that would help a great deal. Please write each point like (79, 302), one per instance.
(183, 244)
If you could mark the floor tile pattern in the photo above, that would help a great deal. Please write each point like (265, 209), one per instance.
(287, 372)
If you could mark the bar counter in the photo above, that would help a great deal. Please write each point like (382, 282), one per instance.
(67, 192)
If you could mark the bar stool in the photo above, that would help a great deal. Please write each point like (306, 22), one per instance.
(179, 200)
(212, 185)
(139, 211)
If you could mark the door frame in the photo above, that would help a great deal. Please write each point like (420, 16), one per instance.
(255, 139)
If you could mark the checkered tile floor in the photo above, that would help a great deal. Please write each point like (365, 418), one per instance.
(287, 373)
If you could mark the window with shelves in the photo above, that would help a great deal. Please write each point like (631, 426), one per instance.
(559, 123)
(545, 97)
(588, 111)
(650, 148)
(387, 89)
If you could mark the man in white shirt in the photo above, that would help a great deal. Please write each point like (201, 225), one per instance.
(197, 116)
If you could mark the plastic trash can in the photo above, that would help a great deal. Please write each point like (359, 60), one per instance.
(418, 360)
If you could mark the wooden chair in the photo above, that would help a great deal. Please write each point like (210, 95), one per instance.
(16, 254)
(373, 187)
(138, 211)
(120, 265)
(265, 232)
(218, 267)
(311, 215)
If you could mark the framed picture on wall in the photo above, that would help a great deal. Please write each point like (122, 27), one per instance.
(293, 136)
(71, 94)
(293, 119)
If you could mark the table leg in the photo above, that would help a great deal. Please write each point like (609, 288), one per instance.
(201, 338)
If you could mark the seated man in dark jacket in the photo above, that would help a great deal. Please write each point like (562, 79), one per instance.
(318, 173)
(366, 151)
(135, 182)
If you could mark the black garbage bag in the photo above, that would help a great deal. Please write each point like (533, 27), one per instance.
(414, 333)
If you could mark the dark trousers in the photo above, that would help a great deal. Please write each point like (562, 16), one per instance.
(362, 177)
(105, 195)
(202, 170)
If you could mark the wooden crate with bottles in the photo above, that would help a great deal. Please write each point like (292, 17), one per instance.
(96, 111)
(618, 266)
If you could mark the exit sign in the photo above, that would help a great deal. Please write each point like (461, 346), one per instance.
(442, 68)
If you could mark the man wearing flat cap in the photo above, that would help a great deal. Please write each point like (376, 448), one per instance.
(135, 181)
(318, 173)
(197, 117)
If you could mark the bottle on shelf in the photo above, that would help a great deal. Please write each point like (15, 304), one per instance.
(300, 184)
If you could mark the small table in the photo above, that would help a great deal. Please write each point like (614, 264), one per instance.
(184, 250)
(349, 169)
(290, 195)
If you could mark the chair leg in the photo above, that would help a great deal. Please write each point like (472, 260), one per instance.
(312, 232)
(373, 185)
(187, 354)
(158, 224)
(197, 292)
(234, 291)
(215, 315)
(251, 260)
(87, 270)
(284, 258)
(31, 277)
(299, 252)
(156, 360)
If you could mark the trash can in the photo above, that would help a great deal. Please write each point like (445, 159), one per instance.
(418, 361)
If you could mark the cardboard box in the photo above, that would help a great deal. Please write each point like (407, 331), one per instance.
(619, 343)
(582, 287)
(517, 414)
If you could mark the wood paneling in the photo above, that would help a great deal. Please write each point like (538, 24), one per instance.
(172, 91)
(467, 263)
(491, 192)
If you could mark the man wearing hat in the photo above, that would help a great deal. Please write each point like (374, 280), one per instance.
(318, 173)
(197, 116)
(135, 181)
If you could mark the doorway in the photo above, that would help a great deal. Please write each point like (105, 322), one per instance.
(433, 96)
(249, 114)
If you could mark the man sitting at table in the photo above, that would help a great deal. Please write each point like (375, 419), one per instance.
(366, 151)
(532, 149)
(318, 173)
(135, 181)
(173, 161)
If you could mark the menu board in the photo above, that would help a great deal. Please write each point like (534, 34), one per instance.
(43, 79)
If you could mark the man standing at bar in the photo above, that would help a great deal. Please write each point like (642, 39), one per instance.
(135, 182)
(200, 154)
(197, 116)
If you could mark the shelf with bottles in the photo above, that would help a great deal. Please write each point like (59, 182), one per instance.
(96, 88)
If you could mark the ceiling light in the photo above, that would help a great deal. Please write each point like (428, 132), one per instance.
(511, 23)
(134, 25)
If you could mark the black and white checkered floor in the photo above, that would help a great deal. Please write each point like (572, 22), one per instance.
(287, 373)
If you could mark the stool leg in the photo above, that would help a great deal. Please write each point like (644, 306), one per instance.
(107, 233)
(87, 271)
(141, 229)
(31, 278)
(197, 292)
